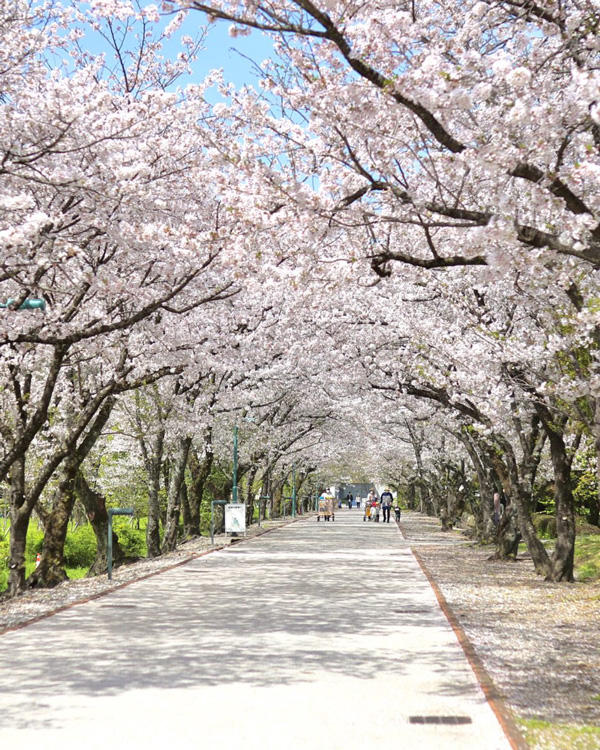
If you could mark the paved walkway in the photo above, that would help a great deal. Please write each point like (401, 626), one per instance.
(315, 636)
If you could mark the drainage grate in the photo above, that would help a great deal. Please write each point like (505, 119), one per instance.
(440, 720)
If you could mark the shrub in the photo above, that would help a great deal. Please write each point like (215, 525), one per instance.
(35, 540)
(132, 541)
(80, 547)
(4, 553)
(545, 525)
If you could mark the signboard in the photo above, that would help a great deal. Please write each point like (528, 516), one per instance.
(235, 517)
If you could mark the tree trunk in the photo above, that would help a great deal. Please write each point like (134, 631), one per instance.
(200, 471)
(265, 494)
(276, 507)
(250, 495)
(153, 461)
(186, 513)
(51, 571)
(564, 550)
(176, 479)
(95, 507)
(486, 529)
(518, 490)
(508, 535)
(19, 523)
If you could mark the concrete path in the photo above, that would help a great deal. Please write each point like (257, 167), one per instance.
(315, 636)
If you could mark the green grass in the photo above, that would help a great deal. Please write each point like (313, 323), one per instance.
(71, 572)
(587, 558)
(80, 548)
(544, 735)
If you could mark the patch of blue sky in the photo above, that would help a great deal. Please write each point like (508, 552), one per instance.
(238, 58)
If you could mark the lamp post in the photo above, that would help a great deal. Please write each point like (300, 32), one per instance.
(234, 489)
(293, 492)
(29, 304)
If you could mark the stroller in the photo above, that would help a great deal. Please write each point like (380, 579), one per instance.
(326, 508)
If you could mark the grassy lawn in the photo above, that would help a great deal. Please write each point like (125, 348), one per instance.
(80, 548)
(543, 735)
(587, 558)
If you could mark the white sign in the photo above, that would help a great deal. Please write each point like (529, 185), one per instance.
(235, 517)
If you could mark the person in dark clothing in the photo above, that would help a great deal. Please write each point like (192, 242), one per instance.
(386, 504)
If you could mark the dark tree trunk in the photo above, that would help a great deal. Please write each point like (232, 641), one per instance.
(186, 515)
(265, 494)
(250, 495)
(411, 496)
(483, 511)
(95, 507)
(153, 462)
(276, 507)
(564, 550)
(176, 479)
(199, 471)
(518, 486)
(508, 535)
(51, 570)
(19, 523)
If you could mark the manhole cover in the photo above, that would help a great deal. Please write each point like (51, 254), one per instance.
(439, 720)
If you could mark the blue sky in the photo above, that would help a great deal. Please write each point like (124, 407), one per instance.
(233, 54)
(223, 51)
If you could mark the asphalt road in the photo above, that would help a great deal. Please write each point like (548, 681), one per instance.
(314, 636)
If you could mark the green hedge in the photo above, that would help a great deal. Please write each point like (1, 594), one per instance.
(132, 540)
(80, 547)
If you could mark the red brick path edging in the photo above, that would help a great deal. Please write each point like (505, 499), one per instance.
(497, 704)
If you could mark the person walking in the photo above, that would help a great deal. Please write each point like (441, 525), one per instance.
(386, 504)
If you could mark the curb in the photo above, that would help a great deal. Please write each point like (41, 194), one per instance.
(93, 597)
(492, 695)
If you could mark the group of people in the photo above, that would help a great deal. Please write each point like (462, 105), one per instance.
(376, 505)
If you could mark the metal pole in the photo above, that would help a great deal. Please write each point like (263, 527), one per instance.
(293, 492)
(234, 491)
(109, 547)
